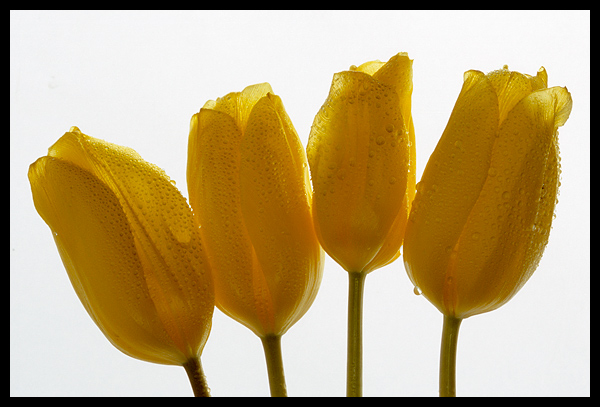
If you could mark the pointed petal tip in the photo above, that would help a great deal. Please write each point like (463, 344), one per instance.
(259, 88)
(564, 105)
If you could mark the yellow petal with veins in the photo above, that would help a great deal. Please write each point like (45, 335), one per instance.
(505, 235)
(213, 185)
(451, 184)
(275, 201)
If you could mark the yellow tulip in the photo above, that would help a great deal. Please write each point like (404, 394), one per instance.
(249, 187)
(361, 152)
(484, 206)
(130, 247)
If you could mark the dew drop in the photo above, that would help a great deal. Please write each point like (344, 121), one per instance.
(417, 291)
(380, 140)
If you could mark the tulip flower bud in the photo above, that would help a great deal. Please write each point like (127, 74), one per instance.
(361, 152)
(127, 239)
(248, 185)
(484, 206)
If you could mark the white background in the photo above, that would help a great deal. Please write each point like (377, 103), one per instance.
(136, 78)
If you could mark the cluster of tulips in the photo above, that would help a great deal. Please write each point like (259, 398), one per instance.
(149, 267)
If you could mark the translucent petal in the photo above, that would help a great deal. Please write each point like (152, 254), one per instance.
(450, 185)
(214, 193)
(276, 210)
(238, 105)
(508, 228)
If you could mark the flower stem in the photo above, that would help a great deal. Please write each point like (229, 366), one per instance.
(354, 362)
(272, 347)
(448, 356)
(193, 368)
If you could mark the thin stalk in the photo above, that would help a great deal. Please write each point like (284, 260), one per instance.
(193, 368)
(272, 347)
(354, 362)
(448, 356)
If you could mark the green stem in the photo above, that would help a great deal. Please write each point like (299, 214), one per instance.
(354, 362)
(448, 356)
(272, 347)
(193, 368)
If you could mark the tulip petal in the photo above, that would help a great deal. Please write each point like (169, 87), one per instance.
(275, 201)
(397, 73)
(508, 228)
(511, 87)
(238, 105)
(358, 152)
(160, 223)
(450, 185)
(213, 180)
(369, 67)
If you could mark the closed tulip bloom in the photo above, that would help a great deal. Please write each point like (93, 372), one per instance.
(484, 206)
(249, 187)
(130, 247)
(361, 152)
